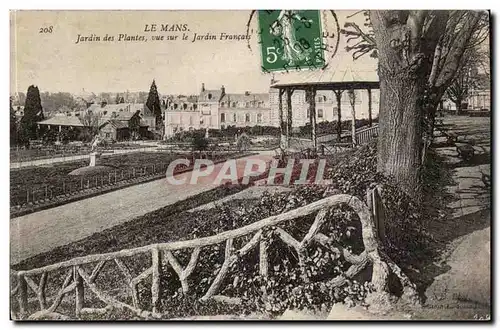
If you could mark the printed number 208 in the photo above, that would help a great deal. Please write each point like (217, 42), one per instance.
(46, 29)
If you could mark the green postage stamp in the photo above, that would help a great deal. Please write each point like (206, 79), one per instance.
(291, 39)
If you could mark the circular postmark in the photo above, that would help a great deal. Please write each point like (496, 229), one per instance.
(296, 39)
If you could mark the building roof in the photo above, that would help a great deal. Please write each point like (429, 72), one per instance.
(117, 124)
(344, 75)
(243, 109)
(259, 97)
(62, 121)
(124, 116)
(214, 93)
(121, 107)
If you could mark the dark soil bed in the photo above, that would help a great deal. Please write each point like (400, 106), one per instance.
(30, 185)
(170, 223)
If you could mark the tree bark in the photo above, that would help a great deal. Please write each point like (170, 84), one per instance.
(399, 143)
(406, 45)
(338, 96)
(370, 120)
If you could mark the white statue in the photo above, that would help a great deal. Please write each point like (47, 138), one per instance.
(95, 143)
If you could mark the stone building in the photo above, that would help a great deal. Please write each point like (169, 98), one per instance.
(216, 109)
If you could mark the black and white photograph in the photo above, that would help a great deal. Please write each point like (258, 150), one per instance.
(185, 165)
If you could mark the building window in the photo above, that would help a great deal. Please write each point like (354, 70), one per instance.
(222, 117)
(209, 96)
(108, 135)
(234, 117)
(234, 105)
(259, 118)
(320, 113)
(222, 104)
(308, 113)
(247, 117)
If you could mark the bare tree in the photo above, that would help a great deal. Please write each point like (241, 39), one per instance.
(92, 123)
(468, 76)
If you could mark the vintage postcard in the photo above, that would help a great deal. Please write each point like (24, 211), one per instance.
(250, 165)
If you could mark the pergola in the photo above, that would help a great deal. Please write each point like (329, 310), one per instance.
(337, 80)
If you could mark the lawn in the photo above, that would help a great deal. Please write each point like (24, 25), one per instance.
(22, 154)
(42, 182)
(170, 223)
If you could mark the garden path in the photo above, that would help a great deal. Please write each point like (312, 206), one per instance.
(42, 231)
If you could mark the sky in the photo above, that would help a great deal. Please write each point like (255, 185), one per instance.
(56, 63)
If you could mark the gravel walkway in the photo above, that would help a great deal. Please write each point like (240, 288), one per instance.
(467, 282)
(42, 231)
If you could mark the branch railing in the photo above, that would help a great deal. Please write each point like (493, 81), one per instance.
(366, 135)
(77, 280)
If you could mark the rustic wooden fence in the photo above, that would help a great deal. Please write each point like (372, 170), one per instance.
(366, 135)
(31, 301)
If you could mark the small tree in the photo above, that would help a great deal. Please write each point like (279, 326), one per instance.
(199, 142)
(243, 142)
(153, 103)
(13, 124)
(33, 113)
(467, 78)
(92, 123)
(119, 99)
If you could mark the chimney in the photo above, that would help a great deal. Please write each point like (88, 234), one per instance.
(202, 87)
(223, 90)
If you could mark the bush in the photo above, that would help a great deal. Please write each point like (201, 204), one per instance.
(199, 142)
(408, 241)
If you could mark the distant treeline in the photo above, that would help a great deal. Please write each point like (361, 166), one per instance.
(63, 101)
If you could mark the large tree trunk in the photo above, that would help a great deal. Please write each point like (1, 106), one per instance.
(404, 54)
(399, 143)
(433, 99)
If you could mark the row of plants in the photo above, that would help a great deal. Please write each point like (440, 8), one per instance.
(58, 150)
(330, 127)
(44, 195)
(230, 133)
(56, 175)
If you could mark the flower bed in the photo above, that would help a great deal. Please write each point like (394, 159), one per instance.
(39, 188)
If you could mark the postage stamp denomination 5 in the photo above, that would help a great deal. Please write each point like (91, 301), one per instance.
(291, 39)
